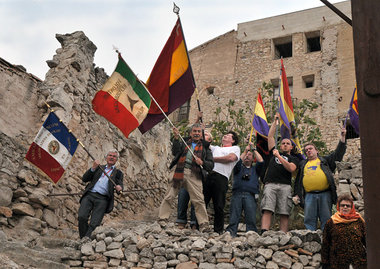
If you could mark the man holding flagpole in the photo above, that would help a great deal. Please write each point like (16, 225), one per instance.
(315, 186)
(277, 194)
(189, 160)
(98, 196)
(216, 185)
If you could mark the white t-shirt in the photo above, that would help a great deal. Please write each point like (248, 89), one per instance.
(225, 168)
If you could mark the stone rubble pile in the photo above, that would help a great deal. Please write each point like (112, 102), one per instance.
(151, 246)
(350, 180)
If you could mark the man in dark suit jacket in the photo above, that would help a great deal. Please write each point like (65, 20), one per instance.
(98, 196)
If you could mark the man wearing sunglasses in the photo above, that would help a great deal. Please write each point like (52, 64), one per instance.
(315, 187)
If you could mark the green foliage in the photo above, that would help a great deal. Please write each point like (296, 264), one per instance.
(232, 120)
(269, 100)
(307, 129)
(183, 128)
(239, 120)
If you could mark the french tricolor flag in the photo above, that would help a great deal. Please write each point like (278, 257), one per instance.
(53, 148)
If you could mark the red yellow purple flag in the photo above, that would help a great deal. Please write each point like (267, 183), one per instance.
(124, 100)
(353, 112)
(288, 123)
(171, 81)
(260, 123)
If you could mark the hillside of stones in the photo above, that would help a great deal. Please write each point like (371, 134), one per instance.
(40, 231)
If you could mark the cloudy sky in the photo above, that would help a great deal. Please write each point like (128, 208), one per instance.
(139, 28)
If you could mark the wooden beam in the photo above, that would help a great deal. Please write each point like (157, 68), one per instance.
(366, 33)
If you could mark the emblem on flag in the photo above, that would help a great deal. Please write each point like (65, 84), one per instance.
(52, 148)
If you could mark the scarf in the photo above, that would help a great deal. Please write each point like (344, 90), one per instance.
(346, 218)
(180, 168)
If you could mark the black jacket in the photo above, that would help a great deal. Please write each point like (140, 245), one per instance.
(328, 166)
(178, 148)
(93, 177)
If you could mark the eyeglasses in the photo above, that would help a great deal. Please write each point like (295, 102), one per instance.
(345, 205)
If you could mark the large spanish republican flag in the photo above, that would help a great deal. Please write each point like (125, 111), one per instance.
(354, 111)
(52, 148)
(171, 81)
(124, 100)
(259, 122)
(288, 123)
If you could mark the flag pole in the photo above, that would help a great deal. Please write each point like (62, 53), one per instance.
(80, 143)
(176, 11)
(80, 193)
(119, 55)
(253, 116)
(278, 107)
(345, 120)
(250, 135)
(171, 123)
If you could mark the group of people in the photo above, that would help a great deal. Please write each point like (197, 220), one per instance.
(202, 172)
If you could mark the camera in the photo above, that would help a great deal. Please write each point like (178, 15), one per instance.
(246, 176)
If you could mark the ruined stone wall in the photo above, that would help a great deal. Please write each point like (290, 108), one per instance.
(68, 88)
(213, 66)
(350, 180)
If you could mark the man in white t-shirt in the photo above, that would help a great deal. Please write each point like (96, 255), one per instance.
(216, 185)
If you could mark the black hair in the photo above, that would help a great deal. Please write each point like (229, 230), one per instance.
(234, 137)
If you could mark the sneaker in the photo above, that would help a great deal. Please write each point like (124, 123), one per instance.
(193, 227)
(204, 228)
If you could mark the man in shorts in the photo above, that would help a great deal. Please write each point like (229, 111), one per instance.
(277, 194)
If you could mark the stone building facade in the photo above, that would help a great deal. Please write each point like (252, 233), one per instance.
(317, 50)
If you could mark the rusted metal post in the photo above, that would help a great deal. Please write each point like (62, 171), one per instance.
(337, 11)
(366, 32)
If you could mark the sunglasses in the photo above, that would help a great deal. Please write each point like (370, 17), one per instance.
(345, 205)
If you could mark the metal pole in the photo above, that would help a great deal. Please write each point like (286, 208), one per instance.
(89, 154)
(337, 11)
(176, 11)
(277, 122)
(80, 193)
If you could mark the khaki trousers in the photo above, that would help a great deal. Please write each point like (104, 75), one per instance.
(194, 187)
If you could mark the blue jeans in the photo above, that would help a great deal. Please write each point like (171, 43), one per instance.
(317, 205)
(183, 203)
(242, 201)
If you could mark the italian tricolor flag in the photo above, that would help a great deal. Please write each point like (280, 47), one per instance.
(124, 100)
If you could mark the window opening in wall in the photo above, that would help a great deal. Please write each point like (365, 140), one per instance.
(276, 82)
(308, 81)
(313, 41)
(184, 110)
(210, 90)
(283, 47)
